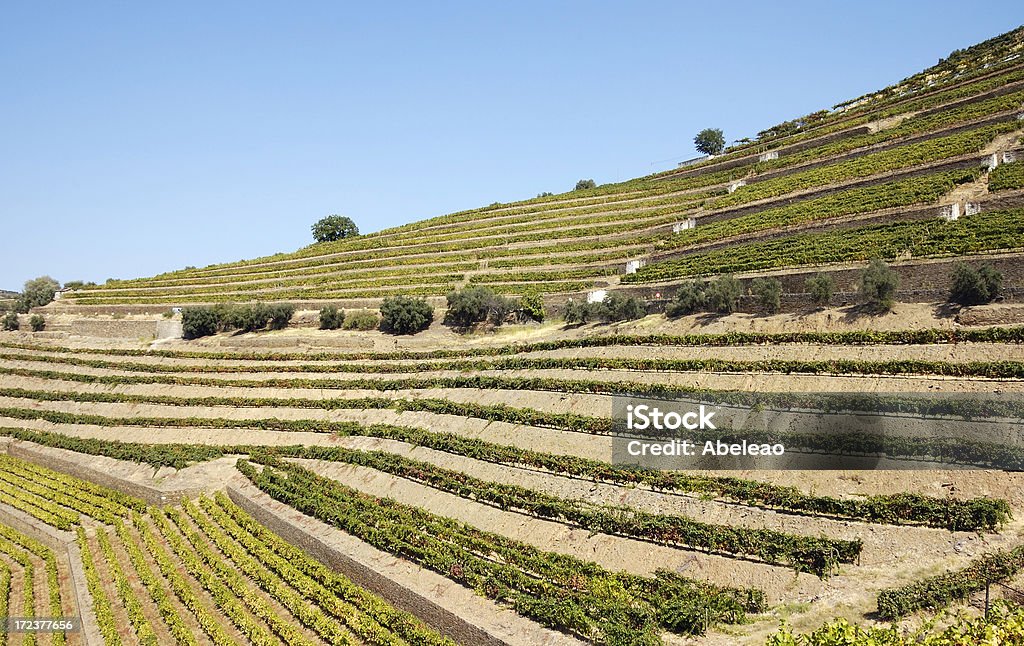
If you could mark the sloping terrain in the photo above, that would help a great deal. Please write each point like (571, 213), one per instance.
(870, 178)
(349, 487)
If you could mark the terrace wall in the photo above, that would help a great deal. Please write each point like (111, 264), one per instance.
(920, 281)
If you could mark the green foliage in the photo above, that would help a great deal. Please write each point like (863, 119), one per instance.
(690, 297)
(405, 315)
(78, 284)
(585, 184)
(878, 286)
(331, 318)
(819, 556)
(709, 141)
(198, 322)
(10, 322)
(559, 591)
(1006, 177)
(768, 292)
(616, 307)
(37, 323)
(545, 194)
(578, 312)
(914, 190)
(1004, 624)
(820, 287)
(883, 161)
(334, 227)
(249, 318)
(362, 320)
(202, 321)
(475, 304)
(37, 292)
(532, 306)
(723, 294)
(922, 238)
(943, 589)
(972, 286)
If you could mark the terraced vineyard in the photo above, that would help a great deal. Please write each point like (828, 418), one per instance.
(424, 456)
(885, 162)
(308, 486)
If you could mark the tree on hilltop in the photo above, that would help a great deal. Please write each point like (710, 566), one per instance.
(710, 141)
(334, 227)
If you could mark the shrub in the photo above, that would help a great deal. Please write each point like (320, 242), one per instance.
(768, 292)
(203, 321)
(584, 184)
(10, 321)
(975, 286)
(363, 320)
(820, 287)
(723, 294)
(475, 305)
(37, 323)
(709, 141)
(617, 307)
(198, 321)
(247, 318)
(331, 318)
(405, 315)
(691, 297)
(545, 194)
(531, 305)
(878, 286)
(334, 227)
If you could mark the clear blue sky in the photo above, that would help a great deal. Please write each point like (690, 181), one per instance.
(144, 137)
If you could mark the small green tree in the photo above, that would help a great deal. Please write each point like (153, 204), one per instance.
(37, 292)
(37, 323)
(10, 321)
(878, 286)
(690, 298)
(617, 307)
(723, 294)
(474, 305)
(584, 184)
(532, 306)
(334, 227)
(405, 315)
(578, 312)
(545, 194)
(198, 321)
(974, 286)
(710, 141)
(768, 292)
(820, 287)
(280, 315)
(331, 318)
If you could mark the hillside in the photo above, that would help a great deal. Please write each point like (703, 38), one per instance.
(348, 486)
(870, 177)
